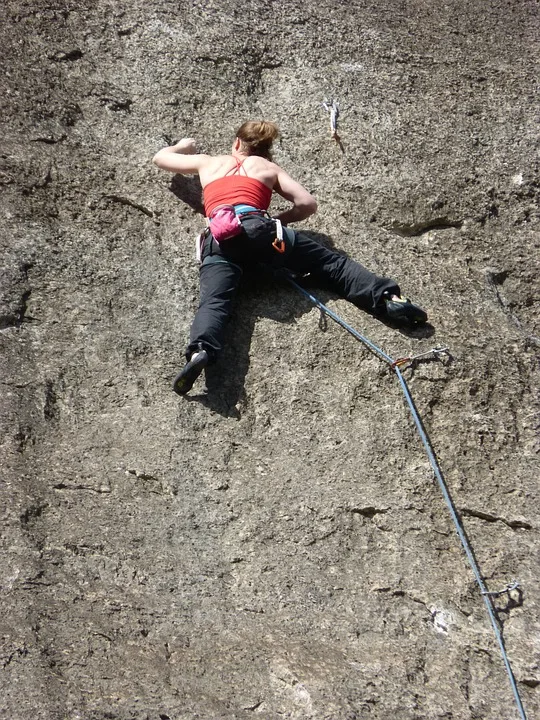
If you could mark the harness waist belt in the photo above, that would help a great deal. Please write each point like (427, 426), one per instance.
(247, 210)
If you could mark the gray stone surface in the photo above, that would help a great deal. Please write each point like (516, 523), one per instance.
(275, 546)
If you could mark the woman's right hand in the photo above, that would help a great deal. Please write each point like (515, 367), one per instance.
(186, 146)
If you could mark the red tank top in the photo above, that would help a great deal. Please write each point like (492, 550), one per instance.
(236, 189)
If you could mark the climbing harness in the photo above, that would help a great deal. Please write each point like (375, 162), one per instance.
(332, 106)
(395, 366)
(224, 224)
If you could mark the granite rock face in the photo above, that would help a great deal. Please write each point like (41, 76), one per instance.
(274, 545)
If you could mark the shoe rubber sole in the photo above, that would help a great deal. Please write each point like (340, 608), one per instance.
(405, 311)
(185, 379)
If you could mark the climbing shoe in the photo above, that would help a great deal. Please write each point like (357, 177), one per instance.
(191, 371)
(401, 309)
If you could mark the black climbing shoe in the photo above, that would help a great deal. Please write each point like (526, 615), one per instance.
(185, 379)
(401, 309)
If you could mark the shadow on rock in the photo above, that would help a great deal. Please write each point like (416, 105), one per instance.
(260, 295)
(418, 332)
(188, 189)
(264, 293)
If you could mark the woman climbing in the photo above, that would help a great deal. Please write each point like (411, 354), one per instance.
(237, 190)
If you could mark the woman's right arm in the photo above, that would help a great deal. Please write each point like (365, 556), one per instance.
(181, 158)
(304, 204)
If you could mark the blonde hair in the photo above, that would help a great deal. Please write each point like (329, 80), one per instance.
(257, 137)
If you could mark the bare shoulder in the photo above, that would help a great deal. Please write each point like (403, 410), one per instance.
(269, 165)
(215, 162)
(262, 169)
(214, 167)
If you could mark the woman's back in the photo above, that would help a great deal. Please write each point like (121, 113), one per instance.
(251, 166)
(251, 149)
(227, 181)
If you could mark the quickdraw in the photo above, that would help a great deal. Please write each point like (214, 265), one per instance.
(332, 106)
(434, 352)
(279, 242)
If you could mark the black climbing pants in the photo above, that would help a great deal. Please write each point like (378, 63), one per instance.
(222, 267)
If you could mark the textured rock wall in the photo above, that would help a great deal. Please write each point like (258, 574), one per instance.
(276, 545)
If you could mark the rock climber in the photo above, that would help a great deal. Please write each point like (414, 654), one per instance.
(237, 190)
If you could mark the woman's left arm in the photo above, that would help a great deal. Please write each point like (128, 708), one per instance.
(181, 158)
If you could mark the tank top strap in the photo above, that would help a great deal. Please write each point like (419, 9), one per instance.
(236, 170)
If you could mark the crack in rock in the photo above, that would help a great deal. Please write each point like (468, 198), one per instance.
(420, 228)
(68, 56)
(49, 139)
(105, 490)
(321, 538)
(254, 707)
(116, 104)
(488, 517)
(143, 476)
(130, 203)
(368, 511)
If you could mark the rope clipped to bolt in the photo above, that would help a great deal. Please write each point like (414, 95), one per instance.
(431, 354)
(395, 366)
(514, 585)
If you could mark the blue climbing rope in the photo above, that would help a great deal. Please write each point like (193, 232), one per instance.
(486, 596)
